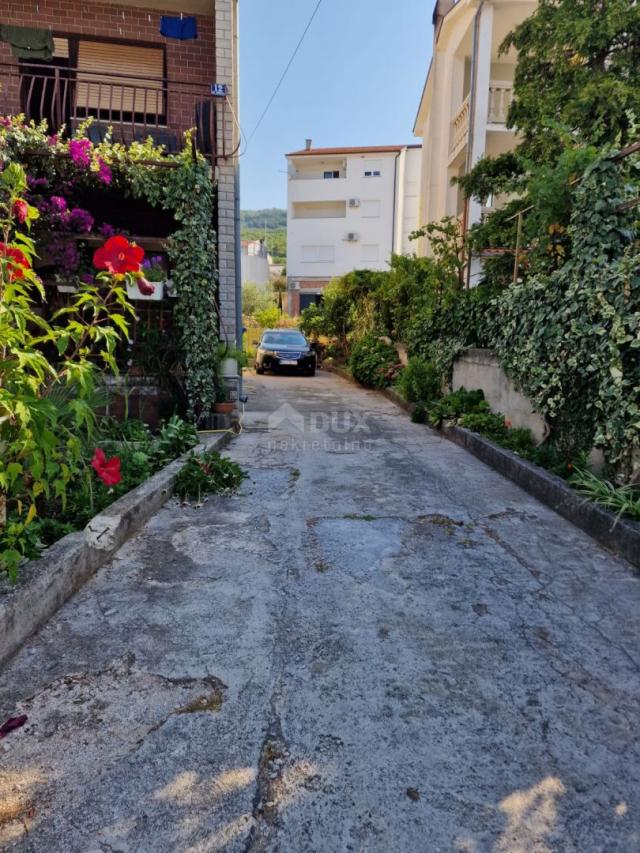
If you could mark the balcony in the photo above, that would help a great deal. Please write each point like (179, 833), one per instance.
(133, 107)
(500, 97)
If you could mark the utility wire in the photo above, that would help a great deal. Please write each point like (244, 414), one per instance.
(285, 72)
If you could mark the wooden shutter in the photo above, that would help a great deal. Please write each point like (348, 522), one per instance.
(97, 89)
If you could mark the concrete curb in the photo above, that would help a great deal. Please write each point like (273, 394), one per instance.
(622, 537)
(46, 584)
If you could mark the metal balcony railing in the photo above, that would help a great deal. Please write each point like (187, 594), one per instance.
(133, 107)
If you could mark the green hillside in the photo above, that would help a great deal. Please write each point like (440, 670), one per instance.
(269, 224)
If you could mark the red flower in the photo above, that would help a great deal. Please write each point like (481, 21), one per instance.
(17, 261)
(118, 256)
(20, 209)
(145, 287)
(107, 469)
(508, 424)
(569, 466)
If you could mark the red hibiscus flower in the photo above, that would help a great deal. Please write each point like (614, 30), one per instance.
(20, 209)
(17, 261)
(107, 469)
(118, 256)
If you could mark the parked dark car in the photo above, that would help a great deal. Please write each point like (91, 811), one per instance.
(285, 348)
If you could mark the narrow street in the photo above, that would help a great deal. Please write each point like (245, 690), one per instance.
(378, 645)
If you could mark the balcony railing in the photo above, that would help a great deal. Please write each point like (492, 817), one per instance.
(460, 127)
(133, 107)
(500, 97)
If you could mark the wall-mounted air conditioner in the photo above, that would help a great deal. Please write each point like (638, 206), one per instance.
(354, 202)
(351, 237)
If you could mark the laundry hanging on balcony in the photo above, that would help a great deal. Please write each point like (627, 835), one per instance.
(182, 28)
(28, 42)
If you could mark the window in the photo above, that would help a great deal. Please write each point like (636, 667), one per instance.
(331, 174)
(370, 209)
(118, 80)
(370, 253)
(372, 168)
(318, 254)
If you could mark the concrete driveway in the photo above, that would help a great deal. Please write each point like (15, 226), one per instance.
(378, 645)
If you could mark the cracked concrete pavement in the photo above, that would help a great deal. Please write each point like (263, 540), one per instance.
(378, 645)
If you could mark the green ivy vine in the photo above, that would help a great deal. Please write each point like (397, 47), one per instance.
(571, 339)
(187, 190)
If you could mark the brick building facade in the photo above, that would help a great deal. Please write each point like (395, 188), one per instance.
(118, 32)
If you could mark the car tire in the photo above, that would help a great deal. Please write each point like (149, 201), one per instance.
(259, 370)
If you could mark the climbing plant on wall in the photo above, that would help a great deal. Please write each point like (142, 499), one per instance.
(571, 339)
(188, 192)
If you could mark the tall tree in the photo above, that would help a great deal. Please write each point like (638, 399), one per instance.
(578, 75)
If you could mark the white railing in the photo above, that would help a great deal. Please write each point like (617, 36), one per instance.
(500, 97)
(460, 126)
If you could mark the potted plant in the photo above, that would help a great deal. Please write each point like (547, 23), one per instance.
(223, 405)
(155, 272)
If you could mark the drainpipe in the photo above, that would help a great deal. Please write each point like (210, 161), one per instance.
(236, 211)
(472, 115)
(395, 195)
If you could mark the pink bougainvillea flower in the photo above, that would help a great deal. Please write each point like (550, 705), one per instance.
(145, 287)
(118, 256)
(20, 210)
(58, 203)
(17, 261)
(80, 151)
(107, 469)
(104, 172)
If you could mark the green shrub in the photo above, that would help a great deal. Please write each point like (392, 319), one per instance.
(209, 473)
(268, 317)
(490, 424)
(460, 402)
(175, 438)
(419, 381)
(371, 360)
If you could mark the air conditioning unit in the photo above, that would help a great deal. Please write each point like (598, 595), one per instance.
(354, 202)
(351, 237)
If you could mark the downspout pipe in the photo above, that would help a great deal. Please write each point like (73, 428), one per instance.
(395, 197)
(236, 214)
(472, 117)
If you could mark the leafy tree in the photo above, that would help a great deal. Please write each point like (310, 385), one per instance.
(255, 298)
(578, 75)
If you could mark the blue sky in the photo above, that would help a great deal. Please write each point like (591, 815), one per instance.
(356, 80)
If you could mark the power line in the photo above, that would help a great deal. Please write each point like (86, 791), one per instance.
(284, 73)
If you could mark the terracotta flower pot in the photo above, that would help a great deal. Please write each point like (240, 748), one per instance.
(223, 408)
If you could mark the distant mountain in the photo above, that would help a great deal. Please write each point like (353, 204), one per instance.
(271, 218)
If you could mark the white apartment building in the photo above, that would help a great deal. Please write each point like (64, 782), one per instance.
(465, 100)
(347, 209)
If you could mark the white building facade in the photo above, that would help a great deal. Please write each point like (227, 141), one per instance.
(347, 209)
(465, 101)
(256, 262)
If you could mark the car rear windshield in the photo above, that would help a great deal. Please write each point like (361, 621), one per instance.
(276, 339)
